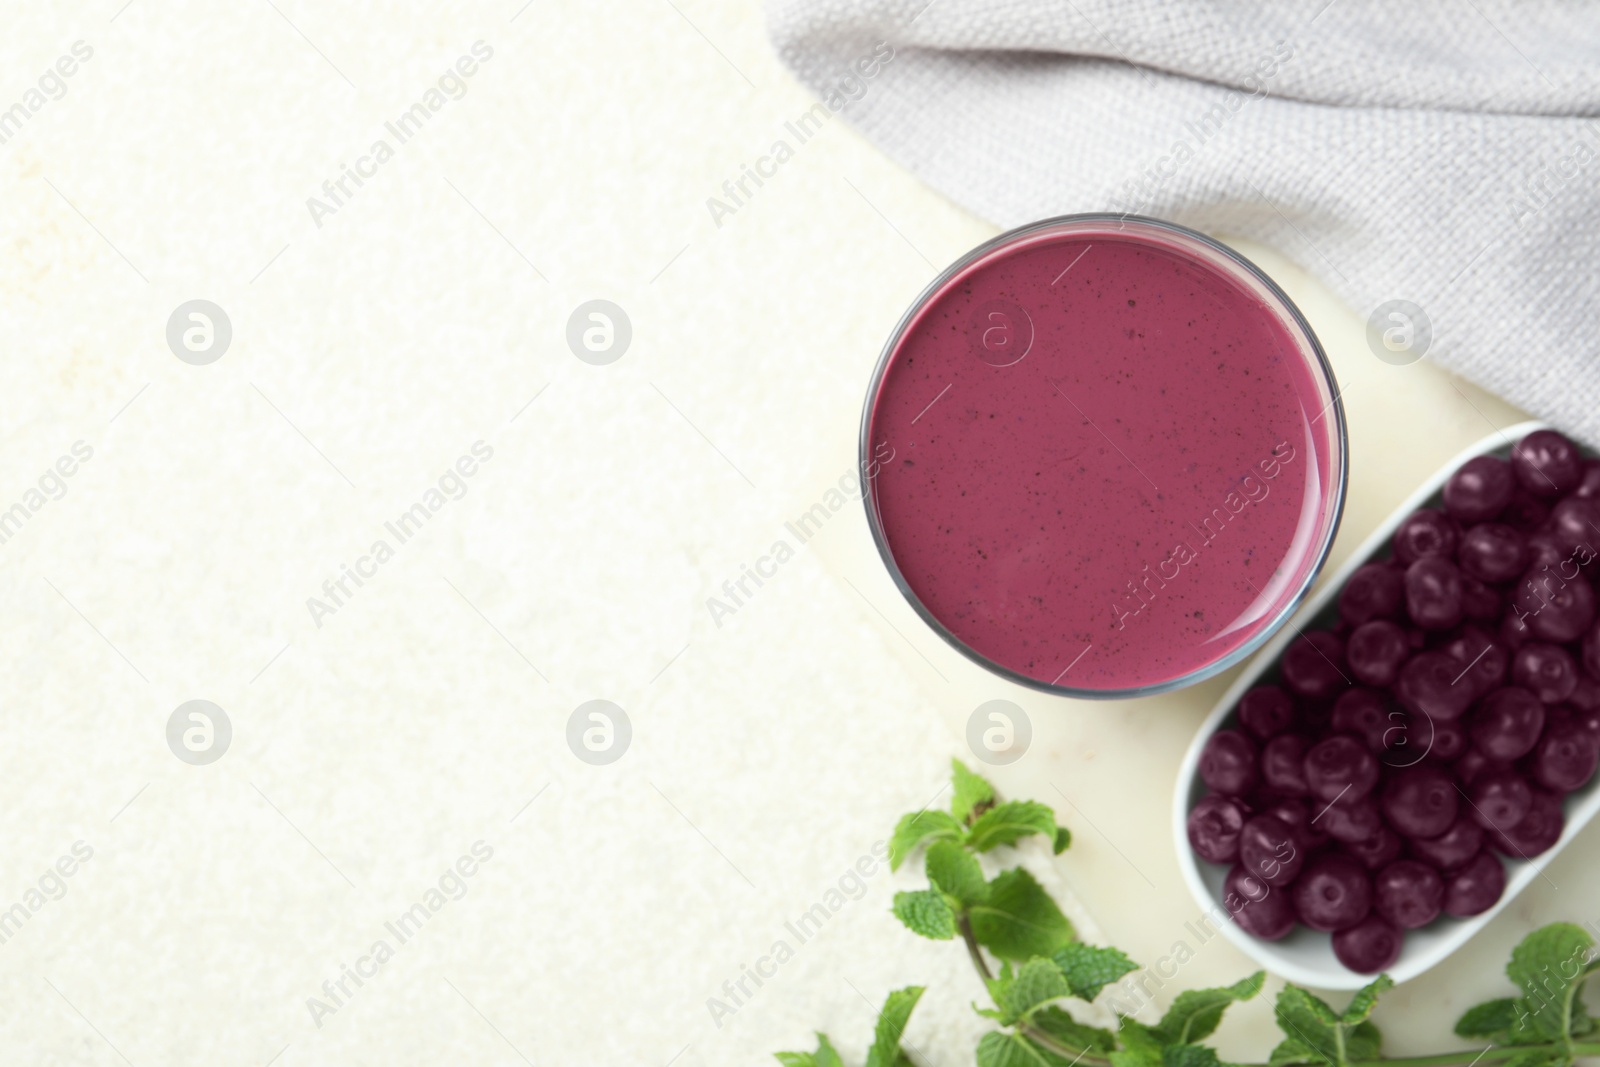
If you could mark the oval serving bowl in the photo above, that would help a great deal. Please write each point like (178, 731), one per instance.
(1306, 956)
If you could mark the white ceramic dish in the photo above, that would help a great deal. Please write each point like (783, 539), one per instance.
(1306, 956)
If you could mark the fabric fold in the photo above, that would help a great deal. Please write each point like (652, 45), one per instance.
(1435, 165)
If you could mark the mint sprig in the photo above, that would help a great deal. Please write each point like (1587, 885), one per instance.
(974, 821)
(1039, 967)
(1316, 1034)
(1090, 969)
(885, 1050)
(973, 795)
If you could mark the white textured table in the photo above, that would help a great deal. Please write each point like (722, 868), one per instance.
(384, 731)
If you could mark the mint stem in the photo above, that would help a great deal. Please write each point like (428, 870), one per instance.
(1084, 1058)
(1079, 1056)
(1467, 1056)
(978, 962)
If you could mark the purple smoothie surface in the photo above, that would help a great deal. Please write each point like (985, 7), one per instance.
(1114, 458)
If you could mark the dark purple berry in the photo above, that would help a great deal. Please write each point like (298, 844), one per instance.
(1589, 484)
(1433, 593)
(1409, 739)
(1260, 910)
(1370, 946)
(1567, 756)
(1479, 489)
(1333, 893)
(1555, 610)
(1350, 822)
(1526, 512)
(1586, 694)
(1575, 525)
(1374, 591)
(1266, 711)
(1590, 652)
(1214, 826)
(1449, 741)
(1486, 661)
(1228, 763)
(1298, 815)
(1546, 671)
(1434, 684)
(1374, 652)
(1313, 665)
(1283, 764)
(1507, 723)
(1545, 552)
(1423, 533)
(1408, 894)
(1500, 799)
(1363, 713)
(1340, 766)
(1547, 463)
(1480, 601)
(1453, 848)
(1377, 851)
(1269, 848)
(1514, 631)
(1476, 887)
(1421, 801)
(1473, 763)
(1536, 833)
(1493, 552)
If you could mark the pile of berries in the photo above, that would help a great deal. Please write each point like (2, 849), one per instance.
(1431, 728)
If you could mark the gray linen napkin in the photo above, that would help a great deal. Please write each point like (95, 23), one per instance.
(1435, 163)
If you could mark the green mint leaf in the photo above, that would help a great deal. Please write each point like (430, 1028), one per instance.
(825, 1056)
(1140, 1045)
(1070, 1032)
(1034, 984)
(1290, 1051)
(1128, 1057)
(1063, 840)
(1196, 1013)
(926, 912)
(1313, 1038)
(954, 870)
(1089, 969)
(1524, 1031)
(1362, 1042)
(1492, 1020)
(973, 793)
(885, 1050)
(1308, 1020)
(918, 829)
(1366, 998)
(1019, 920)
(1003, 1048)
(1318, 1008)
(1536, 1057)
(1139, 1037)
(999, 991)
(1189, 1056)
(1549, 967)
(1008, 823)
(1008, 1048)
(995, 1050)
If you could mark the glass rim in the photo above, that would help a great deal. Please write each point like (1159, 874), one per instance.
(1317, 362)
